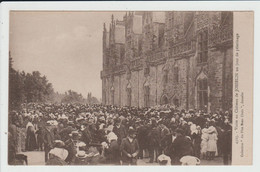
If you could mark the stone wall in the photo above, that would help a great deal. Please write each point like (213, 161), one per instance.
(181, 53)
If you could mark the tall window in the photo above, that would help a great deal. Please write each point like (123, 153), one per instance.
(202, 86)
(176, 74)
(203, 47)
(129, 96)
(146, 96)
(165, 77)
(112, 95)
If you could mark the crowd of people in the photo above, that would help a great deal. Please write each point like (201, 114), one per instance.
(81, 134)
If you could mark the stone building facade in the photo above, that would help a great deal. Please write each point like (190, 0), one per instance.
(179, 58)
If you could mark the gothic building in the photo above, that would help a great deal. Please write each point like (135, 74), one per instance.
(179, 58)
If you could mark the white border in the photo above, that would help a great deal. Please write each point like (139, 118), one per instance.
(122, 6)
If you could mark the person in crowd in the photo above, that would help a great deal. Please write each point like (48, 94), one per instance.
(167, 144)
(212, 142)
(48, 140)
(40, 138)
(95, 157)
(119, 130)
(112, 150)
(86, 135)
(204, 143)
(142, 132)
(71, 146)
(12, 139)
(182, 145)
(227, 142)
(196, 139)
(164, 131)
(30, 137)
(58, 154)
(56, 134)
(154, 141)
(130, 148)
(97, 124)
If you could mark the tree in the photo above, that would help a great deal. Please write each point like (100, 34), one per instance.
(27, 87)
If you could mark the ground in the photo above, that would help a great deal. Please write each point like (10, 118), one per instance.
(37, 158)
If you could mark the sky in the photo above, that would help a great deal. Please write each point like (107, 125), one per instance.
(66, 47)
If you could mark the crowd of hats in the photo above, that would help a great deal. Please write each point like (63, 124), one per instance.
(74, 113)
(106, 117)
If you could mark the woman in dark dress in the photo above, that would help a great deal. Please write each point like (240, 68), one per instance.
(30, 139)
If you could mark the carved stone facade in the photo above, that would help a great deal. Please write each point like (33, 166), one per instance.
(180, 58)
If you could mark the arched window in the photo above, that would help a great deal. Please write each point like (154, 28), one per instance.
(164, 100)
(129, 94)
(146, 96)
(202, 93)
(165, 77)
(112, 95)
(203, 47)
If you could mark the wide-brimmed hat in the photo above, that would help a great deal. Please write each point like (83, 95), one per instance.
(81, 154)
(190, 160)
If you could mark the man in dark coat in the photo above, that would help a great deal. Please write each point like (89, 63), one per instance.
(130, 149)
(119, 130)
(182, 145)
(112, 153)
(167, 144)
(71, 146)
(142, 132)
(154, 141)
(227, 143)
(65, 132)
(86, 135)
(48, 140)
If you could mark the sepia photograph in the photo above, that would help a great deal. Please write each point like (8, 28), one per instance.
(128, 88)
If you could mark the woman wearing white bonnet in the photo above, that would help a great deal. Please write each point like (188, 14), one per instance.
(212, 142)
(111, 136)
(204, 143)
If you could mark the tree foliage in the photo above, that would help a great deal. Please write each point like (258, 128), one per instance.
(72, 97)
(27, 87)
(34, 88)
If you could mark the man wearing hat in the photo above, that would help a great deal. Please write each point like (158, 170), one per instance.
(130, 148)
(86, 135)
(119, 130)
(71, 146)
(182, 145)
(48, 140)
